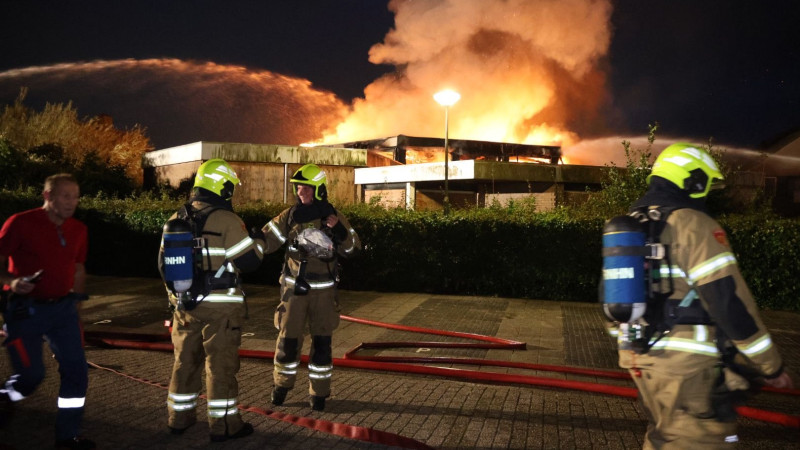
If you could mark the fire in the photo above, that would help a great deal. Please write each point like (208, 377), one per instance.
(526, 70)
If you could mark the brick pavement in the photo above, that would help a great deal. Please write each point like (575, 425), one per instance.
(124, 413)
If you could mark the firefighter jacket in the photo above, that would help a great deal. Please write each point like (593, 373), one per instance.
(208, 333)
(228, 250)
(319, 273)
(706, 279)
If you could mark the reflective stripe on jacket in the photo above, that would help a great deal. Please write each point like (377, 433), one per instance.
(700, 256)
(319, 274)
(229, 246)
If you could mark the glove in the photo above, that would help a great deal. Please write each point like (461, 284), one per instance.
(257, 233)
(339, 233)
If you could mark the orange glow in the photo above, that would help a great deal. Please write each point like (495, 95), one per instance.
(524, 72)
(481, 119)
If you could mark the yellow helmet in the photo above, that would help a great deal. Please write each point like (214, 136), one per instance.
(689, 167)
(217, 176)
(311, 175)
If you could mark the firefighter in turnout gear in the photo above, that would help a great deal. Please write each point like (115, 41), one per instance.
(316, 235)
(207, 319)
(707, 326)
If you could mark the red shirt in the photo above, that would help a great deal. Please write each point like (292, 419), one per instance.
(32, 242)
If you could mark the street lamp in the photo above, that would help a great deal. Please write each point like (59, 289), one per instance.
(446, 98)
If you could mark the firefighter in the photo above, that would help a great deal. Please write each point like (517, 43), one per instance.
(687, 379)
(207, 321)
(316, 236)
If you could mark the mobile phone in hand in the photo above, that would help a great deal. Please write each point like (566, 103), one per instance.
(35, 277)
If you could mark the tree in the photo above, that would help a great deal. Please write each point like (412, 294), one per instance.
(55, 139)
(622, 186)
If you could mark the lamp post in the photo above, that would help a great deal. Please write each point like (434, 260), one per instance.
(446, 98)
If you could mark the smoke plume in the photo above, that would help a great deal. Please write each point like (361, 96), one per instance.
(527, 71)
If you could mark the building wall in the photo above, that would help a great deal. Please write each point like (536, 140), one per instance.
(172, 175)
(388, 198)
(544, 201)
(270, 182)
(427, 199)
(433, 199)
(341, 184)
(263, 169)
(261, 181)
(479, 183)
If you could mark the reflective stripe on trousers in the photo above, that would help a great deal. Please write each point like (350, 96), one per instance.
(181, 402)
(288, 369)
(316, 372)
(76, 402)
(222, 407)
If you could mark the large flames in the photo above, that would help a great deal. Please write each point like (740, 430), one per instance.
(527, 71)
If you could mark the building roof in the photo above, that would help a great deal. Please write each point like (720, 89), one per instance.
(460, 148)
(241, 152)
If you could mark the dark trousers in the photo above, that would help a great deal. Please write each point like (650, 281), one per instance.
(27, 322)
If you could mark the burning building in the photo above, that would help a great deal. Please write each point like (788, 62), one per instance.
(265, 170)
(410, 171)
(402, 149)
(397, 171)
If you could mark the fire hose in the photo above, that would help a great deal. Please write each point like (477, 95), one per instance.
(325, 426)
(404, 364)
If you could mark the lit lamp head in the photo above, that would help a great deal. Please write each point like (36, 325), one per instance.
(447, 97)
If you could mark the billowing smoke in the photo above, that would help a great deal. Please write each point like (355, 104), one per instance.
(527, 71)
(180, 102)
(610, 151)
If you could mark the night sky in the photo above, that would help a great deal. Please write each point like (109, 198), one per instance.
(322, 41)
(727, 70)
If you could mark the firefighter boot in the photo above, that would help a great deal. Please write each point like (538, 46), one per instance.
(178, 431)
(279, 395)
(246, 430)
(317, 403)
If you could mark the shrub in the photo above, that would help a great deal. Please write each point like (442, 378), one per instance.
(35, 144)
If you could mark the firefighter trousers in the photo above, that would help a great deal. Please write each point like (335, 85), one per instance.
(320, 310)
(207, 337)
(26, 322)
(681, 413)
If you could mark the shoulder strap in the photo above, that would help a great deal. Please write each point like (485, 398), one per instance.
(290, 221)
(197, 219)
(660, 321)
(656, 217)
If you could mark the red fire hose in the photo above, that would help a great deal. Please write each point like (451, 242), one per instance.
(403, 364)
(325, 426)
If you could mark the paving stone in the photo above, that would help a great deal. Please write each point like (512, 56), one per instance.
(124, 412)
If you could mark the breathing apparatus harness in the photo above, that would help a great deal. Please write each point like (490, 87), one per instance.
(319, 243)
(185, 275)
(636, 293)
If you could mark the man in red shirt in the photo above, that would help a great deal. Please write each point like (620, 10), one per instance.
(42, 255)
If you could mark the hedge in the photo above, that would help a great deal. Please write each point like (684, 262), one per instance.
(491, 252)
